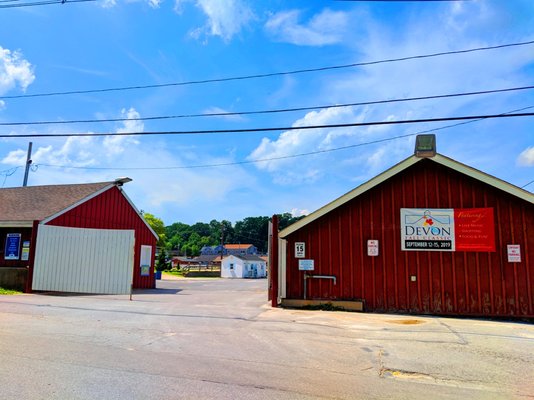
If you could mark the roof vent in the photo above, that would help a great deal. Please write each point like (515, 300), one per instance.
(425, 146)
(122, 181)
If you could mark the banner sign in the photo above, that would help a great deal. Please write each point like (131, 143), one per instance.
(12, 249)
(475, 229)
(447, 229)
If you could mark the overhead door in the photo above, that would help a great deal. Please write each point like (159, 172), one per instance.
(83, 260)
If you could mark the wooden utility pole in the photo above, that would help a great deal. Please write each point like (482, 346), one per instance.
(28, 163)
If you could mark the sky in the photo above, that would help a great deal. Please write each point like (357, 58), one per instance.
(111, 44)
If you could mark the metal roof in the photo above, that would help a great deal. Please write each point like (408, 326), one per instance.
(396, 169)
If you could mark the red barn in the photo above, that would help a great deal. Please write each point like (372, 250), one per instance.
(87, 238)
(428, 236)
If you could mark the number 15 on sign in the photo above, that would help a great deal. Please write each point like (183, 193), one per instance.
(300, 249)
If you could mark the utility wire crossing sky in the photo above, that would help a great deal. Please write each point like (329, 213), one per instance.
(233, 108)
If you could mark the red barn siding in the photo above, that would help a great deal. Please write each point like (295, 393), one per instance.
(471, 283)
(111, 210)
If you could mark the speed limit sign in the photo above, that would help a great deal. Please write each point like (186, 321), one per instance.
(300, 249)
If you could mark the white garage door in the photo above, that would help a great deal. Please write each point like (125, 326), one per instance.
(83, 260)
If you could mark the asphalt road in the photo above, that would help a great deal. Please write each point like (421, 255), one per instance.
(219, 339)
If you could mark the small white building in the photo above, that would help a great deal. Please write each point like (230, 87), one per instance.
(243, 266)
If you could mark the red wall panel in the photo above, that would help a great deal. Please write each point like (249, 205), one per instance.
(450, 283)
(111, 210)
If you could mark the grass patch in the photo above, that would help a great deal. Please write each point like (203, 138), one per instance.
(8, 291)
(174, 273)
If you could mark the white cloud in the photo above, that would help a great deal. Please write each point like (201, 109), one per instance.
(218, 110)
(296, 212)
(309, 169)
(116, 144)
(430, 76)
(15, 157)
(526, 158)
(73, 152)
(325, 28)
(226, 18)
(155, 3)
(113, 3)
(166, 189)
(14, 70)
(82, 151)
(108, 3)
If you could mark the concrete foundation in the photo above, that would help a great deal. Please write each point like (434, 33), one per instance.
(13, 278)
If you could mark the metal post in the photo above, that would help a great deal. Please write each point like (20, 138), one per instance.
(274, 263)
(28, 163)
(305, 280)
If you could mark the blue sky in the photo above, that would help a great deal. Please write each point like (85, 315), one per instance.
(112, 43)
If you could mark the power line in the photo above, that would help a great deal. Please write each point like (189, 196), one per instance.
(398, 1)
(268, 129)
(267, 75)
(7, 173)
(284, 157)
(281, 110)
(41, 3)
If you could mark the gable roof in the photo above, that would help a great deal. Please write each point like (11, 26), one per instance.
(396, 169)
(22, 205)
(246, 257)
(207, 258)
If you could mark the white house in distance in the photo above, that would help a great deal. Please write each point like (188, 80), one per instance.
(243, 266)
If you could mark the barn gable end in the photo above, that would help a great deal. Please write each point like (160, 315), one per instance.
(430, 282)
(111, 209)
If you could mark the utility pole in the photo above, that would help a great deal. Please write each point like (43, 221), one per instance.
(28, 163)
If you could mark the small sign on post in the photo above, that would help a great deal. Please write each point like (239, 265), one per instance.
(306, 265)
(514, 253)
(300, 249)
(372, 248)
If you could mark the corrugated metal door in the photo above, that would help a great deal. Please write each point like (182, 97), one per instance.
(82, 260)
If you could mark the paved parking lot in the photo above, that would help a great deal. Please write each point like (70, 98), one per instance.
(219, 339)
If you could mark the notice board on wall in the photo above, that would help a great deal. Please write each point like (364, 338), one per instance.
(12, 249)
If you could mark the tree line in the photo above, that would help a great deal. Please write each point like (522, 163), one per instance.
(187, 240)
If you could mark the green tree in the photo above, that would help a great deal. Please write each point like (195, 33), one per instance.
(286, 219)
(253, 230)
(161, 262)
(158, 226)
